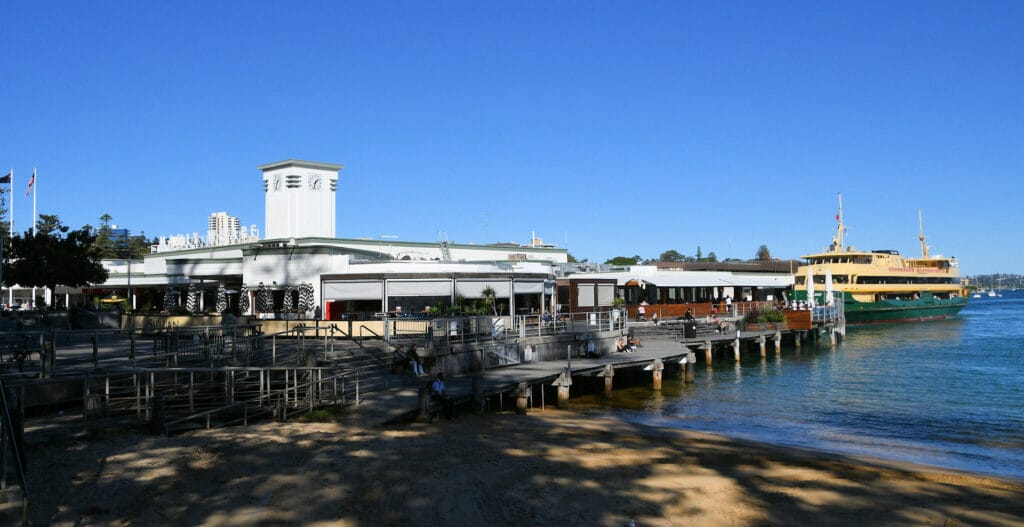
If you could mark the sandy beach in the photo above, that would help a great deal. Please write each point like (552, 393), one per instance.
(547, 468)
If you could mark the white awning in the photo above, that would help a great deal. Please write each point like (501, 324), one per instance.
(354, 290)
(475, 288)
(523, 287)
(419, 288)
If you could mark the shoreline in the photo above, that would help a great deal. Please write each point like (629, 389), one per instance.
(895, 461)
(502, 469)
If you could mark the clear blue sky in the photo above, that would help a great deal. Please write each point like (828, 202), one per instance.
(612, 128)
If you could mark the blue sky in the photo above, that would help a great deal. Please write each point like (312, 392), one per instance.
(612, 128)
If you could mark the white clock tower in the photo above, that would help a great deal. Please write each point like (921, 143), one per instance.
(300, 199)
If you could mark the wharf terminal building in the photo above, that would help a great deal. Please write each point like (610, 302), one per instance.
(362, 279)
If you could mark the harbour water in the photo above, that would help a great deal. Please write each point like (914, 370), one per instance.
(946, 393)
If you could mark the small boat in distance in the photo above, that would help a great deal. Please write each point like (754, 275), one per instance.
(881, 286)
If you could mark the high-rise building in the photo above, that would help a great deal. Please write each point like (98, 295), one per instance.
(223, 229)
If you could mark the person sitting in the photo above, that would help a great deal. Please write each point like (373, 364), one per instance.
(622, 345)
(415, 362)
(688, 316)
(399, 360)
(439, 393)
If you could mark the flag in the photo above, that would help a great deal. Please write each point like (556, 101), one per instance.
(7, 178)
(837, 217)
(31, 181)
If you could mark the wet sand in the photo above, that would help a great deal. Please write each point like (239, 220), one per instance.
(548, 468)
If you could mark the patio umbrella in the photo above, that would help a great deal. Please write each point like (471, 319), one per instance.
(810, 287)
(306, 297)
(263, 299)
(290, 292)
(222, 299)
(192, 302)
(170, 298)
(243, 300)
(829, 298)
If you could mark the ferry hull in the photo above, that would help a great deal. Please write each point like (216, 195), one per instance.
(886, 313)
(893, 311)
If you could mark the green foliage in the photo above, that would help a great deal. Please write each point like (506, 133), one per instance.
(671, 255)
(624, 260)
(763, 254)
(53, 256)
(758, 316)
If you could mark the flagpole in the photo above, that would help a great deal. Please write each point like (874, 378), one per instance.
(10, 292)
(34, 194)
(35, 220)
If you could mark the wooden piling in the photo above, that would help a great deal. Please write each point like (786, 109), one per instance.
(736, 349)
(563, 382)
(608, 374)
(691, 367)
(707, 351)
(522, 398)
(656, 368)
(778, 342)
(761, 344)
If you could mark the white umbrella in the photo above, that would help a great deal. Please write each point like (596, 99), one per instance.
(810, 287)
(829, 298)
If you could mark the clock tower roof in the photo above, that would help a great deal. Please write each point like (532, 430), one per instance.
(298, 163)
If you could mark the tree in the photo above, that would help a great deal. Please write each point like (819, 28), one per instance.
(491, 299)
(700, 255)
(48, 224)
(763, 254)
(59, 257)
(671, 255)
(712, 257)
(570, 258)
(624, 260)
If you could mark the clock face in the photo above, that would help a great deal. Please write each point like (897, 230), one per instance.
(277, 183)
(315, 182)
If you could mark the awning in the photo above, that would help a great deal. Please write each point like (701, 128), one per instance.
(355, 290)
(419, 288)
(475, 288)
(524, 287)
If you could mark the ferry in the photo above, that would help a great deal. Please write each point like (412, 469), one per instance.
(880, 286)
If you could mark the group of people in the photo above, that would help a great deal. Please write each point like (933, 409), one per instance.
(411, 359)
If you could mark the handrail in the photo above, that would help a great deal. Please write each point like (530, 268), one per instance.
(267, 396)
(8, 428)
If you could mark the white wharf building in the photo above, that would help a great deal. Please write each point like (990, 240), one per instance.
(350, 277)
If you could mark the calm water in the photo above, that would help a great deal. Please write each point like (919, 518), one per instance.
(948, 393)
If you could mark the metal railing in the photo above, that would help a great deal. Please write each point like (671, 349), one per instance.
(562, 323)
(10, 442)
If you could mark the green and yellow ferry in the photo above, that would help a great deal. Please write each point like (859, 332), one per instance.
(880, 286)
